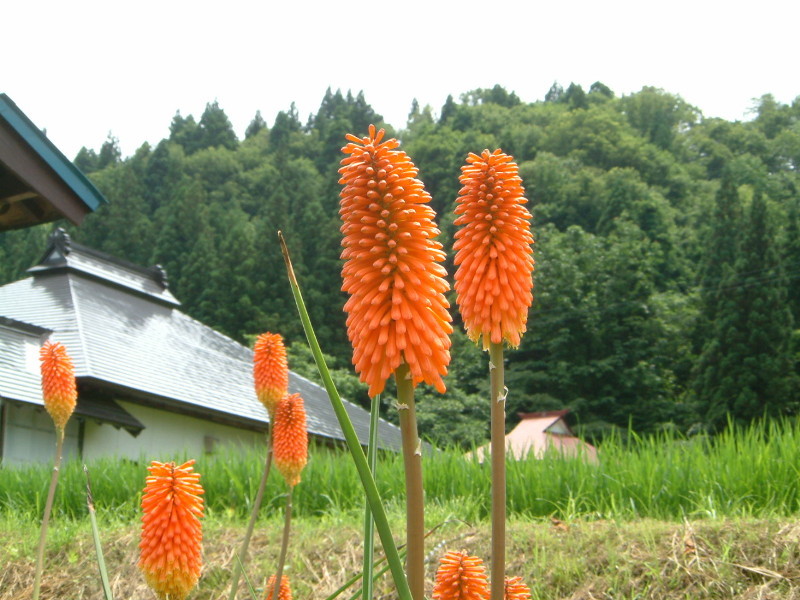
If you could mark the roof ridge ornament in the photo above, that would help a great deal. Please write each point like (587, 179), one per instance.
(159, 274)
(61, 241)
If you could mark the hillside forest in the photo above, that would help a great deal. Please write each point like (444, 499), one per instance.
(667, 282)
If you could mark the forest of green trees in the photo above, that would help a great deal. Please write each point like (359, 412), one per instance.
(667, 246)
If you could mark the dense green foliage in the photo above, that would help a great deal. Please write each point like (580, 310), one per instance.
(668, 245)
(743, 472)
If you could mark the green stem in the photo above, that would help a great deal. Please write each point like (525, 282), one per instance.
(98, 548)
(498, 453)
(367, 480)
(369, 524)
(48, 507)
(287, 526)
(239, 566)
(415, 502)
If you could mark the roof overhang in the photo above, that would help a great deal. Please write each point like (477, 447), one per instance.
(38, 184)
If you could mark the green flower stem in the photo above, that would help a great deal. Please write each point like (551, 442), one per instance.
(415, 502)
(367, 480)
(98, 548)
(498, 453)
(239, 566)
(369, 524)
(287, 526)
(48, 507)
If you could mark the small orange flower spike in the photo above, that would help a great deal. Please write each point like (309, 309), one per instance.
(494, 255)
(516, 589)
(285, 592)
(397, 311)
(270, 370)
(460, 577)
(290, 438)
(59, 390)
(171, 542)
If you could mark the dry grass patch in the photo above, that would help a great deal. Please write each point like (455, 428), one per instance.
(581, 560)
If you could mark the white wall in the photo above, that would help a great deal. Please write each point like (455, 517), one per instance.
(166, 436)
(30, 435)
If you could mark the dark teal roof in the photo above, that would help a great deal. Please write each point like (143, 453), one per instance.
(37, 141)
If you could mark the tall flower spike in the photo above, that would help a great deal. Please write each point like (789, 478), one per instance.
(516, 589)
(171, 542)
(494, 259)
(397, 311)
(290, 439)
(460, 577)
(270, 370)
(285, 593)
(59, 390)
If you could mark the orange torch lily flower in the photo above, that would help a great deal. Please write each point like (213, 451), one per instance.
(290, 439)
(397, 311)
(285, 593)
(493, 279)
(460, 577)
(516, 589)
(171, 542)
(59, 390)
(270, 370)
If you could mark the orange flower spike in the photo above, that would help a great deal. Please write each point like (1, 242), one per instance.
(290, 438)
(171, 542)
(59, 390)
(285, 592)
(516, 589)
(460, 577)
(397, 311)
(494, 257)
(270, 370)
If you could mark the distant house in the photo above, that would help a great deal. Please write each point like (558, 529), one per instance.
(38, 184)
(152, 381)
(540, 432)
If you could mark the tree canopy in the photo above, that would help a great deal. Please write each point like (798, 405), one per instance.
(667, 245)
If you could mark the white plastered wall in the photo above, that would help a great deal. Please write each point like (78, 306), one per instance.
(30, 436)
(166, 436)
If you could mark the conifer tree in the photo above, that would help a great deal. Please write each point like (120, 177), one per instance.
(745, 370)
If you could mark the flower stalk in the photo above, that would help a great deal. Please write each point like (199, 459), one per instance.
(498, 457)
(287, 527)
(238, 567)
(48, 507)
(415, 502)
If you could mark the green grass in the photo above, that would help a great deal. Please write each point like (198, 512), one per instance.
(748, 473)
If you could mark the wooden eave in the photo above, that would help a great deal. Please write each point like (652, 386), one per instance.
(38, 184)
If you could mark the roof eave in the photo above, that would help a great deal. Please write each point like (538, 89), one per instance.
(54, 159)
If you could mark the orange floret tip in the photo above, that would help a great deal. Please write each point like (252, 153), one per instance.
(171, 542)
(494, 250)
(284, 593)
(59, 390)
(397, 311)
(270, 370)
(290, 438)
(515, 589)
(460, 577)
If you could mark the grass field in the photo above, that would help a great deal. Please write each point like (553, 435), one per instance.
(657, 518)
(744, 473)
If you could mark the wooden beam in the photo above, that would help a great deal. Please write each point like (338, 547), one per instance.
(25, 164)
(17, 197)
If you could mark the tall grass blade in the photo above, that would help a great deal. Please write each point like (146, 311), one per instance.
(251, 589)
(369, 525)
(368, 482)
(98, 548)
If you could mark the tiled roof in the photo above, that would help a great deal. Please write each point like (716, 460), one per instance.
(123, 333)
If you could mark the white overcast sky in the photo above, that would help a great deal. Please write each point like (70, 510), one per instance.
(85, 68)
